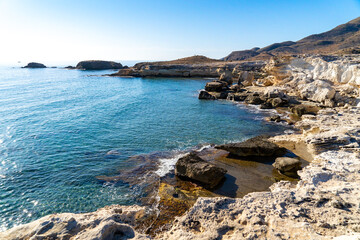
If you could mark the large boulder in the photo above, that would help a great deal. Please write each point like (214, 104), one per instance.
(35, 65)
(195, 168)
(98, 65)
(274, 92)
(246, 78)
(317, 91)
(216, 86)
(225, 75)
(278, 102)
(258, 146)
(206, 95)
(287, 166)
(254, 99)
(239, 97)
(302, 109)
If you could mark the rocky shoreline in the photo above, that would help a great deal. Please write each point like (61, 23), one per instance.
(319, 94)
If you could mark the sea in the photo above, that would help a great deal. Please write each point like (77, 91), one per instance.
(60, 129)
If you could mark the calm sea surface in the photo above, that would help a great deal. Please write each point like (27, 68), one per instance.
(59, 129)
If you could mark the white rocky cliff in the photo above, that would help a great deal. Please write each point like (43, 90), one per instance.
(330, 80)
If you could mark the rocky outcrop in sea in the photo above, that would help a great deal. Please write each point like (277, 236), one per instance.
(98, 65)
(34, 65)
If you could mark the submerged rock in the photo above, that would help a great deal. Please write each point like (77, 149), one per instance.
(258, 146)
(195, 168)
(35, 65)
(287, 166)
(98, 65)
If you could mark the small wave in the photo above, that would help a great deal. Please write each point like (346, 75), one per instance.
(289, 131)
(166, 165)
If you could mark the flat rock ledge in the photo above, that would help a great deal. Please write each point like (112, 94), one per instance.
(258, 146)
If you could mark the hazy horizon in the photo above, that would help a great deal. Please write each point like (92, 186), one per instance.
(68, 31)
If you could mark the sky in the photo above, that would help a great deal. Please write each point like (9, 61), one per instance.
(54, 31)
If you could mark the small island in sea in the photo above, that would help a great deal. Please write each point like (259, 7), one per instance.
(260, 144)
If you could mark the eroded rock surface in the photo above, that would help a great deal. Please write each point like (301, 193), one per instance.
(324, 204)
(111, 222)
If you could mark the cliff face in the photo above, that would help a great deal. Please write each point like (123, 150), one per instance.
(344, 38)
(196, 66)
(329, 80)
(324, 80)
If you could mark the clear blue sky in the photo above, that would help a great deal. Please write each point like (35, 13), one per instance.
(64, 30)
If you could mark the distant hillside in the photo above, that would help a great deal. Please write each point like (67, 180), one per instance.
(197, 59)
(343, 38)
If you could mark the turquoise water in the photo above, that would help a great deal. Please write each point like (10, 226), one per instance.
(58, 126)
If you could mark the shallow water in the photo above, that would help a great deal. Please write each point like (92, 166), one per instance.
(59, 129)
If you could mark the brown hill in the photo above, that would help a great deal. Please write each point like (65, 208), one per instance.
(197, 59)
(345, 36)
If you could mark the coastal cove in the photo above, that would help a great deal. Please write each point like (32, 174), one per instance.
(61, 129)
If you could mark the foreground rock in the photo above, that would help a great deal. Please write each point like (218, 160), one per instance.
(98, 65)
(258, 146)
(35, 65)
(195, 168)
(324, 204)
(111, 222)
(287, 166)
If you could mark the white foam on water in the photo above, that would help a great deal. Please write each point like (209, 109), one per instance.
(288, 131)
(168, 164)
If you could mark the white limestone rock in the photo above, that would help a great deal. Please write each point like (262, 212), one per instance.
(111, 222)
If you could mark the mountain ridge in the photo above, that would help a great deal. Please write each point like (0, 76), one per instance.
(343, 38)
